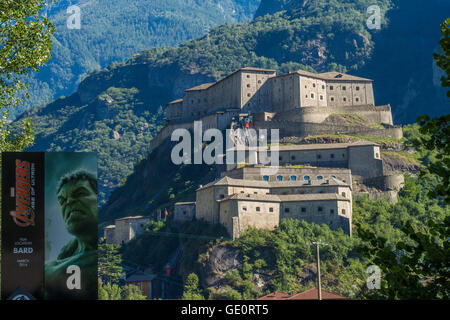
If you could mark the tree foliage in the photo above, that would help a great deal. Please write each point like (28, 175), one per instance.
(109, 263)
(191, 290)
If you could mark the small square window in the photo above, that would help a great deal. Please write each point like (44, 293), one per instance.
(312, 95)
(319, 156)
(323, 87)
(331, 87)
(320, 209)
(286, 209)
(344, 88)
(303, 209)
(321, 97)
(244, 208)
(314, 85)
(357, 88)
(292, 157)
(270, 209)
(343, 211)
(258, 209)
(345, 99)
(331, 210)
(332, 99)
(332, 156)
(343, 194)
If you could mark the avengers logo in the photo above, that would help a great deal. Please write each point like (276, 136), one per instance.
(23, 218)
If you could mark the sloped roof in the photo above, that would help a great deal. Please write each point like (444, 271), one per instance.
(341, 76)
(210, 84)
(175, 101)
(203, 86)
(311, 294)
(335, 76)
(285, 198)
(227, 181)
(132, 218)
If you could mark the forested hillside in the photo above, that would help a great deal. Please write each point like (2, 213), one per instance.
(114, 30)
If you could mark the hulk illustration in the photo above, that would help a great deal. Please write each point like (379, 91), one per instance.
(77, 196)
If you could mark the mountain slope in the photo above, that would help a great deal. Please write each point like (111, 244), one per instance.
(114, 30)
(283, 41)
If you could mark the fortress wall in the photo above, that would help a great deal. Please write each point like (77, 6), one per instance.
(351, 96)
(255, 91)
(390, 196)
(375, 115)
(285, 92)
(386, 183)
(330, 215)
(289, 128)
(195, 103)
(225, 94)
(206, 206)
(166, 132)
(263, 219)
(174, 110)
(365, 161)
(312, 92)
(184, 212)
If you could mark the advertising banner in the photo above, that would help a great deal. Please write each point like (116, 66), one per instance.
(49, 226)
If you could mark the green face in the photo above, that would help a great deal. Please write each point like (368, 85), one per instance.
(79, 207)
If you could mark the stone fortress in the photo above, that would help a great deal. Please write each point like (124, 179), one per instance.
(313, 182)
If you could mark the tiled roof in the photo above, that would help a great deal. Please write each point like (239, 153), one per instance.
(175, 101)
(335, 76)
(133, 218)
(227, 181)
(285, 198)
(310, 294)
(203, 86)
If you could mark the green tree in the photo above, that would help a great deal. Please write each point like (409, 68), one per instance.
(191, 290)
(443, 60)
(132, 292)
(25, 45)
(109, 292)
(109, 263)
(418, 266)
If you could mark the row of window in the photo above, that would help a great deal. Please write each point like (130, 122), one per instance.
(321, 98)
(344, 88)
(292, 178)
(302, 210)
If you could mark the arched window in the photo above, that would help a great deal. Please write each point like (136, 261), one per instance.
(266, 178)
(293, 178)
(306, 178)
(279, 178)
(319, 177)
